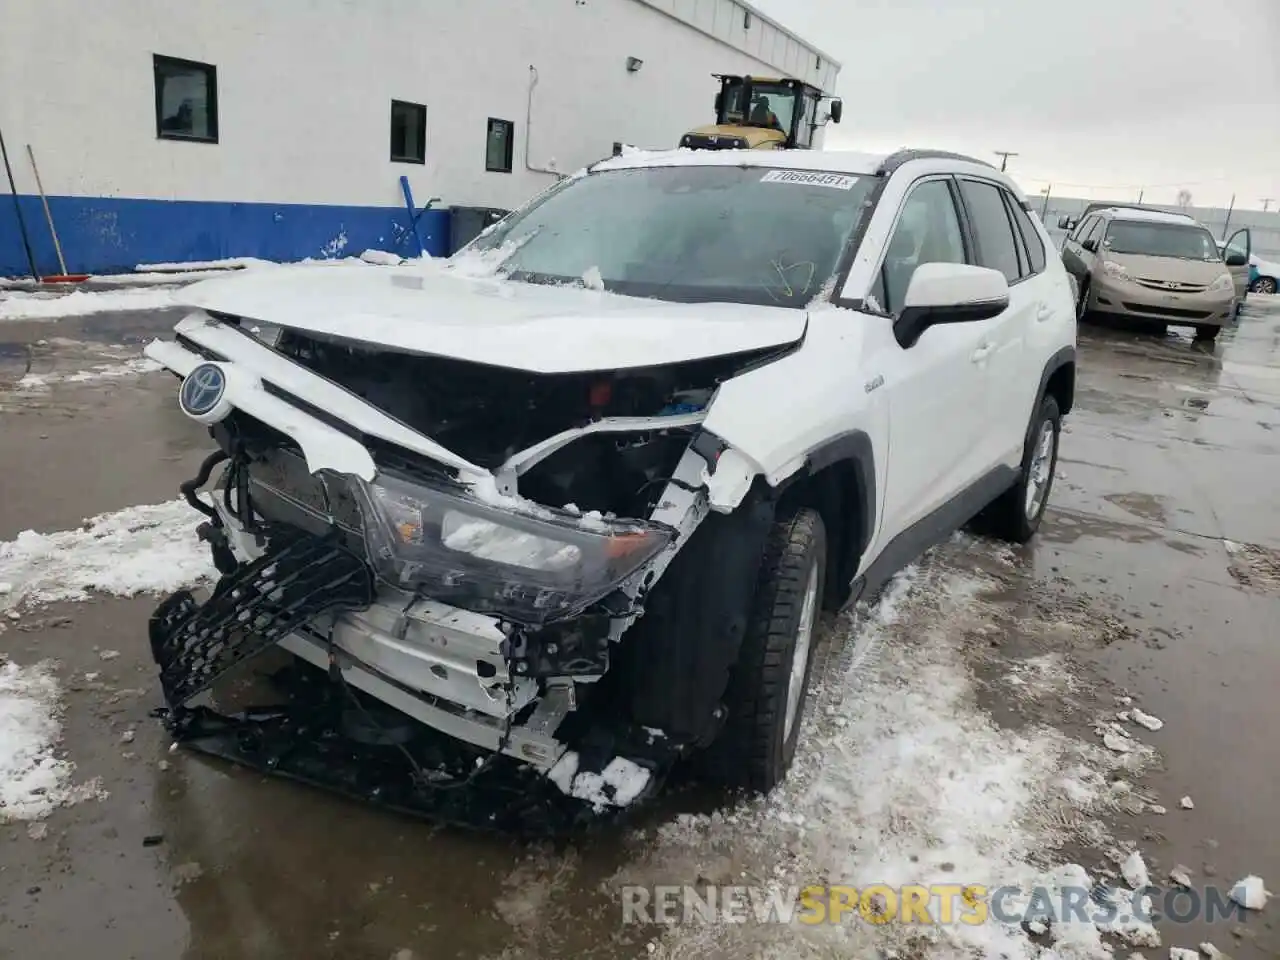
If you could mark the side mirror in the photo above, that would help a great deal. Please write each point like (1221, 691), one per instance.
(1066, 223)
(1237, 259)
(1091, 245)
(949, 293)
(837, 110)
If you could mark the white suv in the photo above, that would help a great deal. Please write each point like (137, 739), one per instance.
(563, 510)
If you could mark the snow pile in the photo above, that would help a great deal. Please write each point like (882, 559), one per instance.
(903, 779)
(33, 781)
(102, 371)
(618, 784)
(79, 303)
(145, 549)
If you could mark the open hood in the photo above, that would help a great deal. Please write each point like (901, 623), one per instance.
(502, 323)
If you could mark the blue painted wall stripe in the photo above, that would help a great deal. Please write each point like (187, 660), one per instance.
(112, 235)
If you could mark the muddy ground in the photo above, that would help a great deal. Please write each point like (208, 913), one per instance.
(1156, 576)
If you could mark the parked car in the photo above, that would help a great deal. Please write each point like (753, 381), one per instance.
(1157, 267)
(564, 510)
(1262, 275)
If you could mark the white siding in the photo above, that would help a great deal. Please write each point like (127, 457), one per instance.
(305, 86)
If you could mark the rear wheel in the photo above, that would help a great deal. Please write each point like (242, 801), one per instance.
(1263, 285)
(1015, 515)
(768, 685)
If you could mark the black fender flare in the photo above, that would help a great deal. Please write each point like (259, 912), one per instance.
(853, 447)
(861, 506)
(1064, 356)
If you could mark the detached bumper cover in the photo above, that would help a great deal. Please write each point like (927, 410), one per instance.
(328, 732)
(252, 609)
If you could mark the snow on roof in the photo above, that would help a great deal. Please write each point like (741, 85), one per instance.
(1150, 216)
(835, 161)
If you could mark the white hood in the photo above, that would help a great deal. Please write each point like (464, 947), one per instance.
(531, 327)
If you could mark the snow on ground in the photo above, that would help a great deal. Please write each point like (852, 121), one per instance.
(33, 779)
(145, 549)
(903, 779)
(79, 303)
(101, 371)
(23, 303)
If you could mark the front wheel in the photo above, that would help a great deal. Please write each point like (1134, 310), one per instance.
(1207, 332)
(768, 685)
(1016, 514)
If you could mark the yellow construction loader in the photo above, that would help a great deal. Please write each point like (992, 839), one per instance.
(764, 113)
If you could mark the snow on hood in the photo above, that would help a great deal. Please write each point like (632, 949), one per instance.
(1267, 267)
(544, 329)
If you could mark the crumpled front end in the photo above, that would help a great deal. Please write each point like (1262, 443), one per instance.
(451, 607)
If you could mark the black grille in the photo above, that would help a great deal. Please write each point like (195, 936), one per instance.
(1167, 311)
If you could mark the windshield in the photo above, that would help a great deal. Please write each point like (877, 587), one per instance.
(772, 105)
(685, 234)
(1151, 239)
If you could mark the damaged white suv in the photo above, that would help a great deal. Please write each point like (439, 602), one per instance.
(546, 518)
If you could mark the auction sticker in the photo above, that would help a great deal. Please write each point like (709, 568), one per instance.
(839, 181)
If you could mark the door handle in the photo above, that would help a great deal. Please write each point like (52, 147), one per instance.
(982, 352)
(1043, 314)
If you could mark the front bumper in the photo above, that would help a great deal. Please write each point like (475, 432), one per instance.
(480, 699)
(1128, 298)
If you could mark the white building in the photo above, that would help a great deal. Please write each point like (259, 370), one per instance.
(202, 129)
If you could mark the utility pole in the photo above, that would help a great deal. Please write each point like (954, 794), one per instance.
(1044, 207)
(1266, 203)
(1226, 226)
(1004, 156)
(1140, 193)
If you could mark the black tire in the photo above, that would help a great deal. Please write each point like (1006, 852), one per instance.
(1207, 331)
(1263, 285)
(755, 750)
(1007, 516)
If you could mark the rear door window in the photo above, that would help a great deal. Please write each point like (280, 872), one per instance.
(1030, 235)
(993, 233)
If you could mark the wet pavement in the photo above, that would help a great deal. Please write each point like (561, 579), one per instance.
(1156, 576)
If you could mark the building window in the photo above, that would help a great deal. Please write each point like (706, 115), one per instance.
(186, 100)
(498, 146)
(408, 132)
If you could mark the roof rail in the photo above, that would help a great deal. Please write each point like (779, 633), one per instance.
(895, 160)
(1102, 205)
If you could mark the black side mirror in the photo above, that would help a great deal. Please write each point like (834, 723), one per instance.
(1237, 260)
(837, 110)
(1090, 245)
(1066, 223)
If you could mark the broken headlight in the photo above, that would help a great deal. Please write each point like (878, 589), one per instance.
(526, 563)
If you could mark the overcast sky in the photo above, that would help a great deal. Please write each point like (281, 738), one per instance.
(1101, 97)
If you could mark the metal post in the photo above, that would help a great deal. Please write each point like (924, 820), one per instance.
(57, 247)
(17, 208)
(1140, 195)
(1044, 207)
(1266, 203)
(1004, 156)
(1227, 225)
